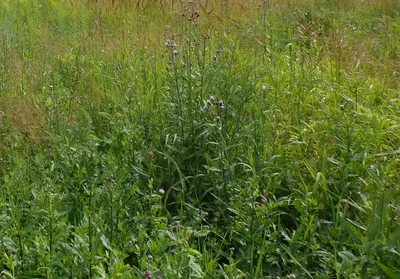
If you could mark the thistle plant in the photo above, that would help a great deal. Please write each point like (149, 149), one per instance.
(215, 106)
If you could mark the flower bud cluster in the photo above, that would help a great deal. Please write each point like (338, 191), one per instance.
(217, 104)
(171, 46)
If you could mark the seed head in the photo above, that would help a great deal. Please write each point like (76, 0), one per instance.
(147, 274)
(151, 155)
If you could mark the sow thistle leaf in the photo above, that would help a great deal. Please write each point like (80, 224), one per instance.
(171, 235)
(213, 169)
(334, 161)
(353, 232)
(232, 210)
(195, 267)
(286, 236)
(8, 274)
(346, 255)
(386, 153)
(392, 273)
(354, 223)
(201, 233)
(63, 211)
(347, 98)
(295, 260)
(394, 251)
(194, 252)
(105, 242)
(72, 250)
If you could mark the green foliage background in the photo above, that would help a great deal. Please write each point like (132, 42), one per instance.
(118, 159)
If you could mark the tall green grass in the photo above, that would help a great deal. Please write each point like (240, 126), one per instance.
(196, 139)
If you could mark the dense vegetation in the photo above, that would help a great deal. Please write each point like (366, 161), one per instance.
(199, 139)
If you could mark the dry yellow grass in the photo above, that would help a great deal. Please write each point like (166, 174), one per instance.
(120, 28)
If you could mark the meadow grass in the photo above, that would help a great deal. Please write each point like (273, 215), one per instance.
(199, 139)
